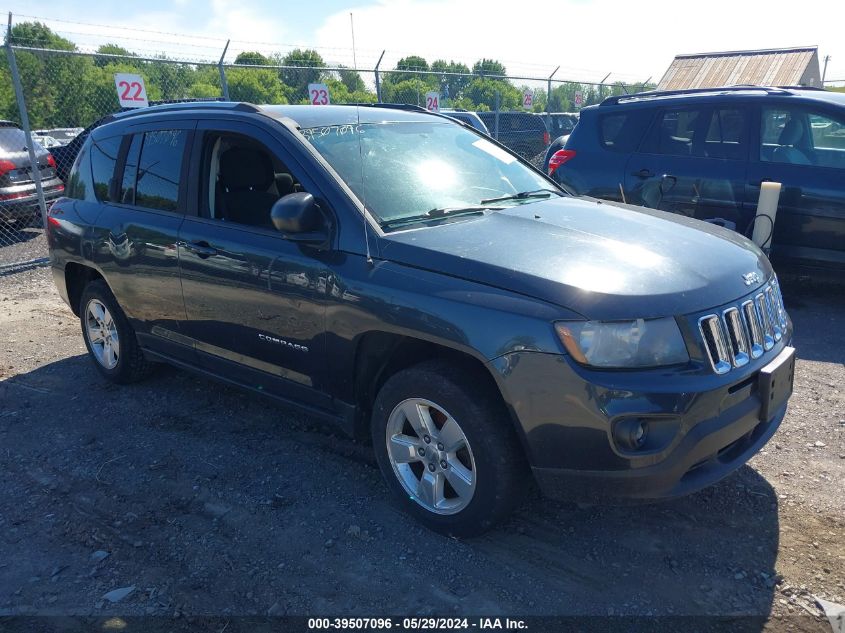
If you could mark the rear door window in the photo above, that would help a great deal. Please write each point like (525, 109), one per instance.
(726, 134)
(160, 169)
(676, 133)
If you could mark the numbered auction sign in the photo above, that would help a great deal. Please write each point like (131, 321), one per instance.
(579, 99)
(131, 91)
(527, 99)
(318, 94)
(432, 101)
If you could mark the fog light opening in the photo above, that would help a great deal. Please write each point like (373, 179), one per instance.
(632, 433)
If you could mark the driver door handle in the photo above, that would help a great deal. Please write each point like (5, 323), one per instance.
(201, 249)
(644, 173)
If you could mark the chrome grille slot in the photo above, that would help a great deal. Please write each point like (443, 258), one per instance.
(765, 322)
(755, 330)
(774, 313)
(781, 309)
(736, 337)
(715, 343)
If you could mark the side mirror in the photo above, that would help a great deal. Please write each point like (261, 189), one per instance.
(298, 216)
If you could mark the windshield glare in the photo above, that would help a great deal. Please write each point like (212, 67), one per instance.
(401, 170)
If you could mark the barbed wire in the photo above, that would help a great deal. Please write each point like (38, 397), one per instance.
(338, 55)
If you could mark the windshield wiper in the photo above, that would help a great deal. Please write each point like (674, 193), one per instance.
(433, 214)
(524, 195)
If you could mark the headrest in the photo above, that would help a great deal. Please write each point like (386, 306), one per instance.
(791, 133)
(284, 184)
(244, 168)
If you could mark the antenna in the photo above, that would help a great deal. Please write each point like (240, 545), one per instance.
(354, 58)
(363, 187)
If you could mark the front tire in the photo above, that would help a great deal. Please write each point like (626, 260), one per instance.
(110, 340)
(447, 449)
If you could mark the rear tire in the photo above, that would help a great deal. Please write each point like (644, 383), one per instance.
(110, 340)
(447, 448)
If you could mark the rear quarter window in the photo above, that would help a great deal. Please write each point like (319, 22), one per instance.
(622, 131)
(103, 161)
(80, 185)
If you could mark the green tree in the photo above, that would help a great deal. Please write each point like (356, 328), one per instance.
(451, 84)
(351, 79)
(309, 65)
(481, 91)
(339, 92)
(255, 85)
(111, 49)
(252, 58)
(488, 67)
(412, 62)
(49, 80)
(38, 35)
(410, 91)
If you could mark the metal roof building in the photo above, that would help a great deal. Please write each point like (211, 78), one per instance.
(767, 67)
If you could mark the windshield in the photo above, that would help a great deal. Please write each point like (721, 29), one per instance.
(408, 169)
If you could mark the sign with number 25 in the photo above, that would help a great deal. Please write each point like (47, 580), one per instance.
(131, 91)
(318, 94)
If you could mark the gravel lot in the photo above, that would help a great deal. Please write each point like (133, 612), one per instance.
(21, 244)
(211, 501)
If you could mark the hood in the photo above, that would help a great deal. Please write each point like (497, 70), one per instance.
(603, 260)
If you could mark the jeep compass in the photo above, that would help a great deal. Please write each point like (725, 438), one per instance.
(411, 280)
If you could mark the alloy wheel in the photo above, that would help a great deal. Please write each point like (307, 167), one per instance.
(431, 456)
(101, 331)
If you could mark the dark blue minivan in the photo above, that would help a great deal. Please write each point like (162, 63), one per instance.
(705, 153)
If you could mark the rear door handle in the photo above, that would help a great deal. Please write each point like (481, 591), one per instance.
(201, 249)
(644, 173)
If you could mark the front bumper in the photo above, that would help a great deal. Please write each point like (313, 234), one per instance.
(710, 425)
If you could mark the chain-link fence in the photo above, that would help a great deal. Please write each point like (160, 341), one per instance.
(67, 92)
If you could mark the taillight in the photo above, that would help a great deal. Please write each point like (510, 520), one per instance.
(51, 161)
(546, 138)
(559, 158)
(6, 166)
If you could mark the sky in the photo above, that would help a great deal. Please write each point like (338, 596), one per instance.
(634, 40)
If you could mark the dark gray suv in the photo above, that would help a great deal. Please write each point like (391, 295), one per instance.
(410, 280)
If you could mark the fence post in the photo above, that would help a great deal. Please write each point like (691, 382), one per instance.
(496, 118)
(601, 87)
(378, 79)
(30, 144)
(223, 83)
(549, 91)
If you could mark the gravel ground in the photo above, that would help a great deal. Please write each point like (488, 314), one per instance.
(210, 501)
(21, 244)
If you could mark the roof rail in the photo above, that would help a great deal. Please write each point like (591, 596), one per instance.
(189, 105)
(691, 91)
(392, 106)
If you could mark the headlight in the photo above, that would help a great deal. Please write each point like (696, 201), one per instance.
(620, 344)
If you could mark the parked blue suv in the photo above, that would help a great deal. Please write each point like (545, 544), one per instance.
(704, 153)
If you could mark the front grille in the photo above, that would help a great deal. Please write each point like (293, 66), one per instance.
(744, 332)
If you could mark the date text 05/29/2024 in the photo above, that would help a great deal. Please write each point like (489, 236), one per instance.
(410, 623)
